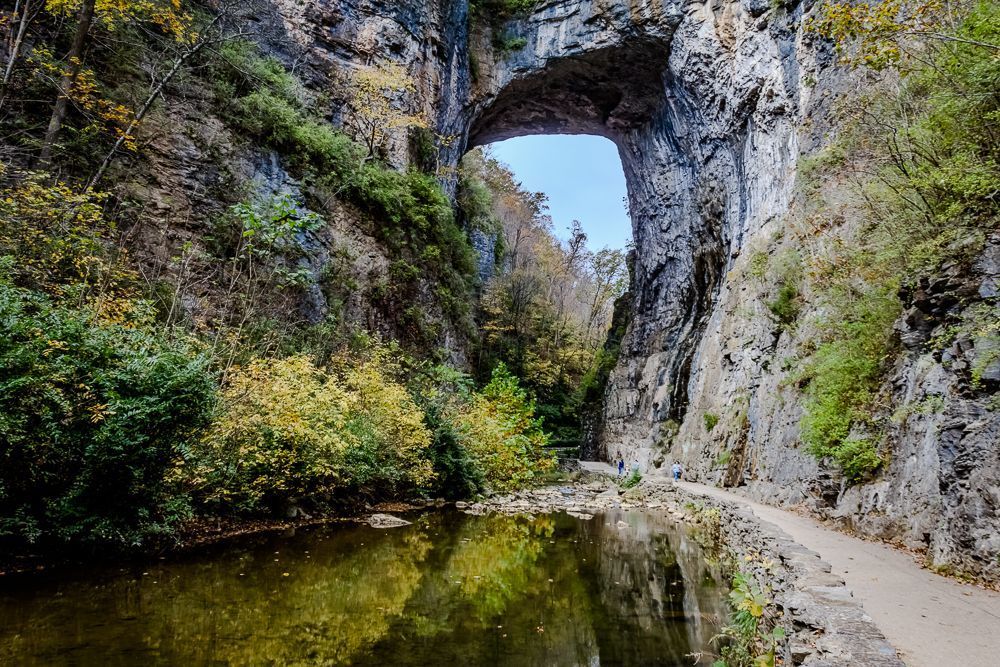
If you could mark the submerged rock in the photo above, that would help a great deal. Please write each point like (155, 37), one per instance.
(386, 521)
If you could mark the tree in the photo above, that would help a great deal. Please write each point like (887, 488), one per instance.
(609, 274)
(21, 17)
(873, 33)
(217, 31)
(375, 104)
(74, 85)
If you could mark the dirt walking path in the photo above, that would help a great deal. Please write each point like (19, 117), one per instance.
(933, 621)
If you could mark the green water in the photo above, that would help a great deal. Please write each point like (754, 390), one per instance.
(448, 590)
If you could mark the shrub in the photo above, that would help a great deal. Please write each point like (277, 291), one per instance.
(458, 476)
(58, 237)
(496, 12)
(844, 374)
(289, 432)
(502, 434)
(787, 272)
(632, 480)
(751, 638)
(784, 307)
(442, 392)
(710, 420)
(93, 415)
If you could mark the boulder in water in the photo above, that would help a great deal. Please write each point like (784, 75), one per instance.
(386, 521)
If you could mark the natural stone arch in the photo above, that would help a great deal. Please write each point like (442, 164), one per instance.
(705, 102)
(606, 92)
(703, 106)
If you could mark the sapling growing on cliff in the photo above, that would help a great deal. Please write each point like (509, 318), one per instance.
(377, 99)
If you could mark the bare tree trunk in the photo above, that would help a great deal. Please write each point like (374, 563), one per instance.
(74, 61)
(188, 53)
(17, 38)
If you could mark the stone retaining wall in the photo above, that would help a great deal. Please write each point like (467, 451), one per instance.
(826, 626)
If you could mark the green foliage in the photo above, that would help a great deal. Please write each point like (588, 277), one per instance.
(926, 196)
(750, 639)
(784, 306)
(632, 480)
(545, 311)
(474, 197)
(711, 420)
(442, 393)
(59, 238)
(758, 264)
(93, 417)
(844, 375)
(503, 435)
(497, 12)
(786, 269)
(423, 149)
(494, 14)
(508, 44)
(411, 215)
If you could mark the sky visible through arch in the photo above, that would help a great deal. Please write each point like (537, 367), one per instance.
(583, 178)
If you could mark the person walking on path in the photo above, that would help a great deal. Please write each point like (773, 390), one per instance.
(621, 467)
(677, 470)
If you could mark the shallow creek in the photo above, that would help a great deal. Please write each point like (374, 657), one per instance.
(622, 588)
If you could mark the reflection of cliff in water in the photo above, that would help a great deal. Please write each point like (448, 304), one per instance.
(656, 582)
(452, 590)
(553, 590)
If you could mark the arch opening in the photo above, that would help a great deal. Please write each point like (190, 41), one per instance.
(605, 92)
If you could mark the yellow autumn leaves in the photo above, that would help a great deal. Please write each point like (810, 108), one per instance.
(502, 434)
(168, 15)
(288, 430)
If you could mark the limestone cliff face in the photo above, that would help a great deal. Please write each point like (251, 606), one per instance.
(711, 105)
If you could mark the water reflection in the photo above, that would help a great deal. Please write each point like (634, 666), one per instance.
(621, 589)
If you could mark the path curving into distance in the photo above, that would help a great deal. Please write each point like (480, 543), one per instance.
(932, 621)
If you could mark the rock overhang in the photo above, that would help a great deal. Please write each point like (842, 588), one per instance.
(608, 91)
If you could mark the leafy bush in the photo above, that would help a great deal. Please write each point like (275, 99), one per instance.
(458, 476)
(844, 375)
(632, 480)
(751, 638)
(289, 432)
(787, 273)
(508, 44)
(710, 420)
(58, 237)
(93, 416)
(497, 12)
(784, 306)
(502, 434)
